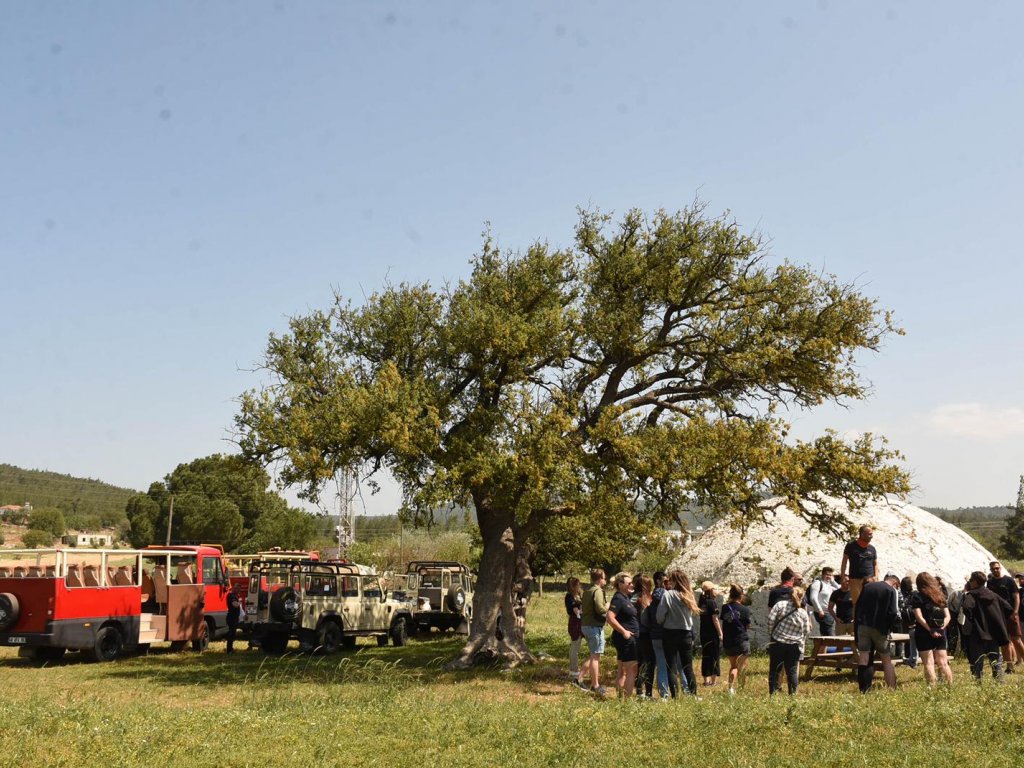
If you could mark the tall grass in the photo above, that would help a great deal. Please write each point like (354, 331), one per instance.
(397, 707)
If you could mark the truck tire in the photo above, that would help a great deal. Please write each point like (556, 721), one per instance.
(9, 610)
(286, 605)
(202, 642)
(399, 634)
(108, 645)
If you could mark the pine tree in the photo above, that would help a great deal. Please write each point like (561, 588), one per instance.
(1013, 539)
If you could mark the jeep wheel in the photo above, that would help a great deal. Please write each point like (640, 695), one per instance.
(275, 643)
(329, 637)
(8, 610)
(108, 645)
(285, 605)
(455, 600)
(399, 635)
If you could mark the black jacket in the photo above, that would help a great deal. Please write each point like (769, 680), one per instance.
(878, 607)
(983, 613)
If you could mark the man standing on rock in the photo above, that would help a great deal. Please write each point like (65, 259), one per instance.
(877, 614)
(860, 561)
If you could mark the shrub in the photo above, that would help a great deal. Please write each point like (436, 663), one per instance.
(36, 538)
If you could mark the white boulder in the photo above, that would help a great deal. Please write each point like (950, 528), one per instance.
(908, 539)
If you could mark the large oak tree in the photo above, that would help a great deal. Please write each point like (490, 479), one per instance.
(640, 372)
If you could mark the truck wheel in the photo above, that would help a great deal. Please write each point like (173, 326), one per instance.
(108, 645)
(329, 637)
(202, 642)
(455, 599)
(399, 635)
(9, 610)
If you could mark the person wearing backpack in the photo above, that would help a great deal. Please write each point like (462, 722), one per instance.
(817, 599)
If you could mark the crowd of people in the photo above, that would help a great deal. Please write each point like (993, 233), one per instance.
(658, 622)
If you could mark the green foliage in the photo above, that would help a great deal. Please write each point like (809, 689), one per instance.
(608, 539)
(47, 519)
(1013, 540)
(288, 528)
(643, 368)
(35, 538)
(393, 553)
(218, 499)
(72, 495)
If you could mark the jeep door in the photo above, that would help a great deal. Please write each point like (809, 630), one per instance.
(375, 612)
(351, 603)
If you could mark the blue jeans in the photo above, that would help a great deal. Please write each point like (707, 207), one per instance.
(664, 680)
(826, 624)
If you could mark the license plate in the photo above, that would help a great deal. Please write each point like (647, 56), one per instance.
(15, 640)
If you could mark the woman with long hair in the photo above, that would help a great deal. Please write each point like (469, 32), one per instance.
(643, 592)
(625, 624)
(788, 627)
(675, 614)
(735, 621)
(931, 617)
(574, 612)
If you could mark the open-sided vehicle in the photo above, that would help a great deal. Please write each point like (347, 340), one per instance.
(444, 594)
(107, 602)
(326, 606)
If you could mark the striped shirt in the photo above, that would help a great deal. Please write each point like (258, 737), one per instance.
(788, 624)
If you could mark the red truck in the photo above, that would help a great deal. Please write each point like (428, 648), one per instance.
(108, 602)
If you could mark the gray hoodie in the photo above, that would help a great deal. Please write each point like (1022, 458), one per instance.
(672, 613)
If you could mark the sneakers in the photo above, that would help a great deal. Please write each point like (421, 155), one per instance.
(579, 684)
(732, 691)
(600, 692)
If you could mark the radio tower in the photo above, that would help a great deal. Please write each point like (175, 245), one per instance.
(346, 510)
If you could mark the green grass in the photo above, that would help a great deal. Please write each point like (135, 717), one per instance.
(396, 707)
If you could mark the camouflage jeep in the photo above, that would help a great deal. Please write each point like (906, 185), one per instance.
(325, 606)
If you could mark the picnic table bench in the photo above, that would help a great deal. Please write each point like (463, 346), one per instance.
(844, 656)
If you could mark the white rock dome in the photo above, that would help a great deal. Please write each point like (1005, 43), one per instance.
(908, 539)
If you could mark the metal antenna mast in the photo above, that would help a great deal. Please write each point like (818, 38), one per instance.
(346, 529)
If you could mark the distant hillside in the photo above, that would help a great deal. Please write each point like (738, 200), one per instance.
(963, 514)
(985, 524)
(82, 500)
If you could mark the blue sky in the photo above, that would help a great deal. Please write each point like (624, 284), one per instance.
(176, 179)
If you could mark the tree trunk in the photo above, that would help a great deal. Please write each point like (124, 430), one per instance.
(493, 597)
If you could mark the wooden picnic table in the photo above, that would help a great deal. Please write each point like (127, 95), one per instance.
(844, 655)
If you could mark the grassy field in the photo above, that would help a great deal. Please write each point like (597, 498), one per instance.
(396, 707)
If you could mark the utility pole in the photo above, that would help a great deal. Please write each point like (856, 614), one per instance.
(170, 520)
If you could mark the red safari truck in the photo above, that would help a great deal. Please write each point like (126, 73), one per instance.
(108, 602)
